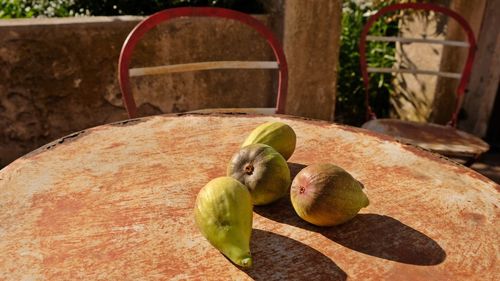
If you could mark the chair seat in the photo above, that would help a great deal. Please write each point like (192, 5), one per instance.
(441, 139)
(263, 110)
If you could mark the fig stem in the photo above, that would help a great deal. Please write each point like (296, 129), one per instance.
(249, 169)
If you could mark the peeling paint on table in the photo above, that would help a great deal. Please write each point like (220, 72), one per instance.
(116, 203)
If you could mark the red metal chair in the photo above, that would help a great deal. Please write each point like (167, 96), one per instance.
(170, 14)
(445, 140)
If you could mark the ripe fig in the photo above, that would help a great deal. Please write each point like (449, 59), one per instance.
(326, 195)
(223, 214)
(277, 135)
(263, 170)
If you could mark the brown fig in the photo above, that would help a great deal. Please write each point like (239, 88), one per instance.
(326, 195)
(263, 170)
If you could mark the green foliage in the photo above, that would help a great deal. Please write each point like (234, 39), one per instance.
(37, 8)
(65, 8)
(350, 106)
(11, 9)
(146, 7)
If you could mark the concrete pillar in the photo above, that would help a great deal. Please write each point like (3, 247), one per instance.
(312, 40)
(453, 58)
(483, 85)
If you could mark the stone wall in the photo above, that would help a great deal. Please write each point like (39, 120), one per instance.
(58, 76)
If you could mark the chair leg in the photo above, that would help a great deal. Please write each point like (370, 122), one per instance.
(471, 160)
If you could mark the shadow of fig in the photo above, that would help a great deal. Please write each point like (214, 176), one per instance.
(372, 234)
(277, 257)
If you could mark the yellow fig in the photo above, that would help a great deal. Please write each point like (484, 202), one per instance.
(223, 214)
(263, 170)
(326, 195)
(277, 135)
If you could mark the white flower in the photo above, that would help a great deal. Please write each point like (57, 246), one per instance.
(50, 11)
(346, 10)
(369, 13)
(363, 4)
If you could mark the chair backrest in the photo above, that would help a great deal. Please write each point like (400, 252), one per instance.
(463, 77)
(169, 14)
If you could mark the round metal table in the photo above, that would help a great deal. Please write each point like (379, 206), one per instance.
(115, 202)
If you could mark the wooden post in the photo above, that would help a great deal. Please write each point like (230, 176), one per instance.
(311, 42)
(485, 74)
(453, 58)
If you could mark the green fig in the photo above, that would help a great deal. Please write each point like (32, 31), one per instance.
(326, 195)
(223, 214)
(277, 135)
(263, 170)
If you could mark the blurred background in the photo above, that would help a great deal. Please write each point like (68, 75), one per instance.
(58, 65)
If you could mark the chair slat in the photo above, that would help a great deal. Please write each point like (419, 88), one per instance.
(253, 110)
(415, 71)
(418, 40)
(156, 70)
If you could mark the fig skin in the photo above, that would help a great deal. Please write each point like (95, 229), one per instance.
(326, 195)
(277, 135)
(223, 214)
(262, 170)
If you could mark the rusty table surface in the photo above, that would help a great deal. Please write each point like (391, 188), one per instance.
(115, 202)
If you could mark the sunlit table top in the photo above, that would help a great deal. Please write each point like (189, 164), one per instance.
(115, 202)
